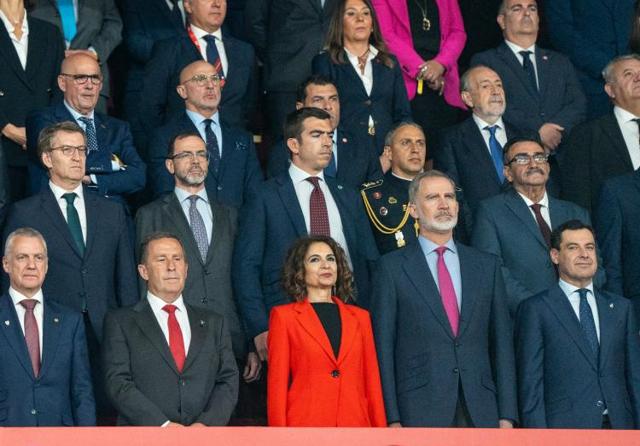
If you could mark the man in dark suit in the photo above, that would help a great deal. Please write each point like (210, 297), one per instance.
(114, 168)
(168, 363)
(234, 172)
(234, 61)
(516, 225)
(577, 348)
(607, 146)
(286, 35)
(353, 162)
(543, 92)
(301, 201)
(442, 329)
(44, 372)
(91, 27)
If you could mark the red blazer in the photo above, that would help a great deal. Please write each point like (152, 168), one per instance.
(307, 386)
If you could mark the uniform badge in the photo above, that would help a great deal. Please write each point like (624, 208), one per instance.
(384, 211)
(393, 200)
(377, 195)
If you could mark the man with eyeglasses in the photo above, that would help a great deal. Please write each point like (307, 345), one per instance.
(234, 172)
(113, 167)
(91, 262)
(516, 225)
(207, 230)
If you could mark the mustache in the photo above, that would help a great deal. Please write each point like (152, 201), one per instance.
(534, 170)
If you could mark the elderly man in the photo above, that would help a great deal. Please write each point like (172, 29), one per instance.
(44, 372)
(442, 328)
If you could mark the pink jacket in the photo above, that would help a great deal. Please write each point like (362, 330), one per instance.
(393, 17)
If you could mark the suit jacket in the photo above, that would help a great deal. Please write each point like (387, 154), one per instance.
(561, 382)
(114, 138)
(616, 223)
(422, 364)
(357, 162)
(393, 18)
(208, 282)
(595, 152)
(269, 223)
(143, 382)
(303, 386)
(101, 279)
(286, 35)
(24, 90)
(98, 26)
(62, 394)
(505, 227)
(387, 103)
(239, 175)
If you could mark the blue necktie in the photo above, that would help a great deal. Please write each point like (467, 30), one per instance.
(528, 69)
(68, 19)
(213, 57)
(90, 131)
(212, 146)
(198, 228)
(587, 322)
(496, 151)
(73, 221)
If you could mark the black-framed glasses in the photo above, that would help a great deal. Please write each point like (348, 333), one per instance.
(523, 158)
(201, 155)
(82, 79)
(70, 151)
(202, 80)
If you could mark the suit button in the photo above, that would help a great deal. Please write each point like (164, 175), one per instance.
(457, 344)
(34, 412)
(335, 373)
(456, 370)
(1, 93)
(599, 403)
(183, 382)
(367, 102)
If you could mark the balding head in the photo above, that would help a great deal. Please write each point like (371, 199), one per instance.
(80, 80)
(200, 88)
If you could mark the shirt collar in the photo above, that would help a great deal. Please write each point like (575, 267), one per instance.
(428, 246)
(623, 115)
(17, 296)
(298, 175)
(11, 26)
(544, 201)
(77, 115)
(198, 119)
(481, 123)
(183, 195)
(200, 33)
(58, 192)
(516, 49)
(157, 303)
(569, 289)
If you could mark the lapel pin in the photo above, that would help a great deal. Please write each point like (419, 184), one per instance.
(344, 140)
(339, 186)
(56, 320)
(201, 323)
(7, 323)
(610, 305)
(545, 57)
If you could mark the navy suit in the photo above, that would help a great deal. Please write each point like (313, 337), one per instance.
(62, 394)
(504, 226)
(388, 103)
(357, 163)
(422, 364)
(269, 223)
(561, 382)
(239, 174)
(114, 138)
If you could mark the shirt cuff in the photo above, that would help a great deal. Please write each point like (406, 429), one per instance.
(165, 424)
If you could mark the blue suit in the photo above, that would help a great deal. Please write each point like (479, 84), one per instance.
(422, 364)
(239, 174)
(561, 382)
(62, 394)
(269, 224)
(114, 138)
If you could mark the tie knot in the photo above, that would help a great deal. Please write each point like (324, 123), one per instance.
(69, 197)
(583, 293)
(208, 122)
(170, 308)
(525, 54)
(536, 207)
(85, 120)
(210, 39)
(441, 250)
(193, 199)
(315, 181)
(492, 129)
(29, 304)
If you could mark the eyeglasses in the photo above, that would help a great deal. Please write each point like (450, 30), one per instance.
(201, 155)
(523, 158)
(81, 79)
(70, 151)
(202, 80)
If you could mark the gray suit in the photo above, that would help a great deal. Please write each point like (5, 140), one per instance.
(504, 226)
(143, 382)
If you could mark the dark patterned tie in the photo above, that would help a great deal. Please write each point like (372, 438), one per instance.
(73, 221)
(587, 322)
(213, 57)
(496, 152)
(198, 228)
(176, 341)
(319, 224)
(212, 147)
(527, 66)
(31, 335)
(542, 224)
(90, 131)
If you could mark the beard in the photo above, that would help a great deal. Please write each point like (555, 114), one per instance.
(192, 179)
(440, 225)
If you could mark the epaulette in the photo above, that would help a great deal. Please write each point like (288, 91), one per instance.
(370, 184)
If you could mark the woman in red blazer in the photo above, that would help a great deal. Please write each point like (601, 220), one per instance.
(323, 368)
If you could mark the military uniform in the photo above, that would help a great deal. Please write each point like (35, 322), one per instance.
(387, 201)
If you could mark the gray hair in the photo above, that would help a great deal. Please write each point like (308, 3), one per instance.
(464, 79)
(23, 232)
(433, 173)
(388, 139)
(607, 73)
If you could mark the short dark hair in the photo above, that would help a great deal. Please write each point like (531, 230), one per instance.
(295, 121)
(314, 79)
(157, 235)
(518, 140)
(177, 137)
(570, 225)
(45, 139)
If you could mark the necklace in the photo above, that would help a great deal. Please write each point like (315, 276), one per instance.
(362, 60)
(426, 23)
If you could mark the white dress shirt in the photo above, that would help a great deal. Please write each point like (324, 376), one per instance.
(501, 133)
(163, 318)
(38, 311)
(532, 57)
(630, 133)
(198, 121)
(78, 203)
(22, 44)
(544, 209)
(367, 77)
(571, 292)
(200, 33)
(203, 206)
(303, 190)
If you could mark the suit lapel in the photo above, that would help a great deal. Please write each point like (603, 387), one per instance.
(349, 325)
(618, 146)
(148, 323)
(477, 148)
(92, 211)
(542, 68)
(346, 217)
(10, 57)
(198, 324)
(609, 318)
(309, 321)
(290, 202)
(468, 271)
(13, 333)
(51, 323)
(217, 227)
(517, 205)
(38, 47)
(101, 130)
(174, 213)
(50, 207)
(514, 64)
(557, 212)
(228, 155)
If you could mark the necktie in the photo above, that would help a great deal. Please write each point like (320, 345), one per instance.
(73, 221)
(31, 334)
(90, 131)
(587, 322)
(637, 120)
(318, 210)
(496, 151)
(212, 146)
(68, 19)
(198, 228)
(213, 57)
(176, 342)
(542, 224)
(528, 69)
(447, 291)
(176, 13)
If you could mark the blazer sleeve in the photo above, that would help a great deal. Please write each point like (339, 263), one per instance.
(253, 177)
(576, 158)
(279, 369)
(125, 269)
(139, 43)
(110, 34)
(372, 375)
(574, 102)
(608, 225)
(156, 88)
(159, 177)
(453, 36)
(401, 107)
(633, 364)
(83, 402)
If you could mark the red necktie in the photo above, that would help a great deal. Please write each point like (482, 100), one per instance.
(31, 334)
(318, 210)
(447, 292)
(176, 342)
(542, 224)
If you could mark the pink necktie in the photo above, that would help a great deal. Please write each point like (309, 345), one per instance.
(447, 292)
(176, 341)
(31, 334)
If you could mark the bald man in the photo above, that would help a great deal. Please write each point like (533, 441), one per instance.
(234, 172)
(113, 168)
